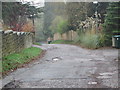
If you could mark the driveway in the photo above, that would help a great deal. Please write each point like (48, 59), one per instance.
(69, 66)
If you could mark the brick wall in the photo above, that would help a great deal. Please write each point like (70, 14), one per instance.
(12, 42)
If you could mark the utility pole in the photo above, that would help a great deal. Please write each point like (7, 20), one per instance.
(0, 15)
(96, 14)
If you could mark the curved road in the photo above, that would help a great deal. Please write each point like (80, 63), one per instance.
(68, 66)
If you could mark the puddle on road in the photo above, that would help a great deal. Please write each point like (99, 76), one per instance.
(96, 60)
(56, 59)
(105, 75)
(92, 83)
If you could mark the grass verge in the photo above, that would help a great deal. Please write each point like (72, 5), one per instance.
(15, 60)
(87, 40)
(37, 43)
(62, 42)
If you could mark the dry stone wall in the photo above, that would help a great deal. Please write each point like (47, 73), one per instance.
(12, 41)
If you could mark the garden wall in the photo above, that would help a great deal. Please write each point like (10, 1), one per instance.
(71, 35)
(89, 24)
(12, 41)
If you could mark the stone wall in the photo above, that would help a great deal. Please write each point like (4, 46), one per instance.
(71, 35)
(12, 41)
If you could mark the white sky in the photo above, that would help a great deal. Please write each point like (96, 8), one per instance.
(36, 1)
(39, 3)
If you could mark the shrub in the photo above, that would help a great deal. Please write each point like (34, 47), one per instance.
(28, 27)
(91, 40)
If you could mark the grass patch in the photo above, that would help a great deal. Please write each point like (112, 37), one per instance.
(37, 43)
(88, 39)
(13, 61)
(61, 42)
(0, 65)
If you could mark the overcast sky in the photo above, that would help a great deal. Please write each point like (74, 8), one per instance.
(39, 3)
(36, 1)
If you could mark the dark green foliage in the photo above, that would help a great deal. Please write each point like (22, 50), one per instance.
(10, 14)
(100, 7)
(74, 12)
(0, 10)
(78, 12)
(112, 21)
(15, 14)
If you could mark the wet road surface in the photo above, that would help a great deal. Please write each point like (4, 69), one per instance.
(69, 66)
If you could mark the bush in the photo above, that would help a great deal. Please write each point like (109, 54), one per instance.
(91, 40)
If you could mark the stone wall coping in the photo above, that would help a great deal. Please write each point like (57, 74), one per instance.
(28, 32)
(22, 32)
(18, 33)
(25, 32)
(16, 40)
(14, 32)
(8, 31)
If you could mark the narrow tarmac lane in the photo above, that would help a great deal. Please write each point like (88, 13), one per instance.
(68, 66)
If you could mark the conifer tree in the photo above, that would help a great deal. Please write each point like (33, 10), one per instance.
(112, 21)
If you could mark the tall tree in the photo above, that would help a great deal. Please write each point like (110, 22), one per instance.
(15, 14)
(78, 11)
(112, 21)
(59, 27)
(51, 11)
